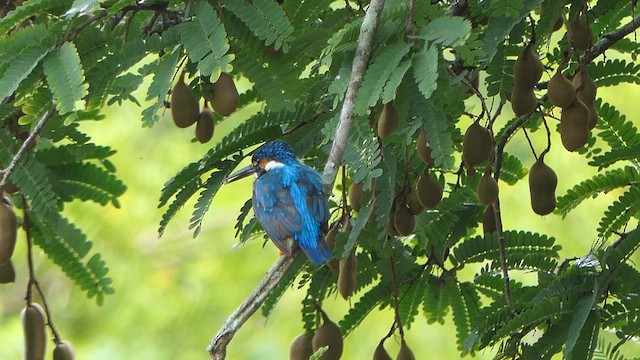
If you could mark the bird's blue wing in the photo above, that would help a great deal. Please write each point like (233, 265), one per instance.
(317, 203)
(276, 211)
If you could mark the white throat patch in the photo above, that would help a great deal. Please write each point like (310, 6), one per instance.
(272, 164)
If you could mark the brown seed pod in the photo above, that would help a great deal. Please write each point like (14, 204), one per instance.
(330, 238)
(579, 34)
(328, 334)
(64, 351)
(7, 273)
(523, 101)
(542, 187)
(476, 145)
(487, 188)
(381, 353)
(404, 220)
(301, 348)
(588, 92)
(225, 97)
(574, 126)
(205, 125)
(388, 121)
(405, 352)
(347, 275)
(35, 337)
(527, 69)
(356, 190)
(391, 227)
(8, 232)
(184, 105)
(414, 203)
(593, 116)
(560, 90)
(429, 191)
(489, 221)
(424, 151)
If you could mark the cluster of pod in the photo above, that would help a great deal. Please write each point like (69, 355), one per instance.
(8, 236)
(410, 202)
(328, 334)
(477, 146)
(35, 337)
(527, 72)
(404, 353)
(185, 108)
(578, 113)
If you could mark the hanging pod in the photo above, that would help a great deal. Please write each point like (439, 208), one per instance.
(8, 232)
(574, 126)
(301, 348)
(328, 334)
(388, 121)
(64, 351)
(476, 145)
(542, 187)
(225, 97)
(528, 68)
(347, 275)
(487, 188)
(560, 90)
(35, 337)
(185, 110)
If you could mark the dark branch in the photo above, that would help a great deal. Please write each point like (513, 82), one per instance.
(6, 173)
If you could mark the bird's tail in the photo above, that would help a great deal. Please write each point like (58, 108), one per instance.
(318, 253)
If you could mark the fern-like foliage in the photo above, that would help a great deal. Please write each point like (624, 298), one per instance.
(620, 212)
(65, 77)
(266, 20)
(481, 248)
(205, 40)
(600, 183)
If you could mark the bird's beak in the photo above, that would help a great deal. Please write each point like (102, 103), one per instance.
(242, 173)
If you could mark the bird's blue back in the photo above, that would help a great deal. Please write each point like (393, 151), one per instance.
(291, 203)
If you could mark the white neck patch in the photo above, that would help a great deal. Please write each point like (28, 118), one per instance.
(272, 164)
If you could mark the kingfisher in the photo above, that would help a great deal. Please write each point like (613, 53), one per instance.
(288, 200)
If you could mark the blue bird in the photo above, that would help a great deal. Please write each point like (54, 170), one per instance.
(288, 200)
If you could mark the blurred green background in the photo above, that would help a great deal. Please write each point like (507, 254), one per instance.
(174, 293)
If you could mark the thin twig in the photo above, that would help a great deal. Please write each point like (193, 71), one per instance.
(496, 208)
(396, 303)
(6, 173)
(218, 346)
(33, 281)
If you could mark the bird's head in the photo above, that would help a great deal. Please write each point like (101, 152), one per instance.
(267, 157)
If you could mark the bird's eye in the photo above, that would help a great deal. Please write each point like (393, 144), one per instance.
(254, 163)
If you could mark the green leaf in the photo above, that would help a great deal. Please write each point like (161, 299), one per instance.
(206, 41)
(65, 77)
(378, 74)
(447, 31)
(425, 70)
(86, 181)
(160, 85)
(266, 19)
(20, 66)
(620, 212)
(581, 311)
(600, 183)
(436, 124)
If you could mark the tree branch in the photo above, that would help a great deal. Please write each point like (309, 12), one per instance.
(360, 60)
(24, 148)
(218, 346)
(609, 39)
